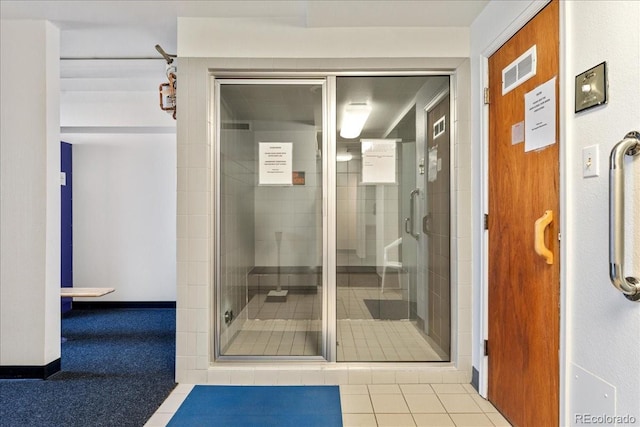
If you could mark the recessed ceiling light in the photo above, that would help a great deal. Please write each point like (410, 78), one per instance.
(353, 120)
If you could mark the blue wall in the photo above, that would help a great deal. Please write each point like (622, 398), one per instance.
(66, 238)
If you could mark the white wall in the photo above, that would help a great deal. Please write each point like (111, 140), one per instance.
(132, 109)
(30, 193)
(354, 211)
(124, 206)
(237, 222)
(603, 328)
(254, 53)
(124, 193)
(285, 38)
(296, 211)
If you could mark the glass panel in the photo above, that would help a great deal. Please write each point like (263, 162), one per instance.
(270, 178)
(392, 273)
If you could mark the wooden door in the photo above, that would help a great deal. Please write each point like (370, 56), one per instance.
(523, 289)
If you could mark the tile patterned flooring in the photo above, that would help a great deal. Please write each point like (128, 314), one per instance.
(294, 328)
(277, 337)
(384, 341)
(397, 405)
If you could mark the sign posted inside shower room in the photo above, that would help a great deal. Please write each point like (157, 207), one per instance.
(275, 163)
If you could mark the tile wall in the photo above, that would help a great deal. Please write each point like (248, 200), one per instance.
(355, 217)
(195, 305)
(296, 210)
(237, 231)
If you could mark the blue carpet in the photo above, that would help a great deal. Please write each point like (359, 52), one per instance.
(117, 369)
(244, 406)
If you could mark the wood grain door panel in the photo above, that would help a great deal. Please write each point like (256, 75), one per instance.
(523, 289)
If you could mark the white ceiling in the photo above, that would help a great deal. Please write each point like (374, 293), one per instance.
(110, 45)
(113, 29)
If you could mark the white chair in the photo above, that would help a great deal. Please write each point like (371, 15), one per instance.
(388, 263)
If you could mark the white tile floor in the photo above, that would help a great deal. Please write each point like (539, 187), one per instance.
(389, 405)
(278, 337)
(294, 328)
(384, 341)
(359, 340)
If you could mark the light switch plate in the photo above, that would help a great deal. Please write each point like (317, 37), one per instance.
(590, 161)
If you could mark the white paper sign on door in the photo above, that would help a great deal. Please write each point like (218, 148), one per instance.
(275, 163)
(378, 161)
(540, 116)
(517, 133)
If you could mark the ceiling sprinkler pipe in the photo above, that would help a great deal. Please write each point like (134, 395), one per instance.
(165, 55)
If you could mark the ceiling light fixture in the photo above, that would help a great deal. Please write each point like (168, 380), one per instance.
(353, 120)
(343, 156)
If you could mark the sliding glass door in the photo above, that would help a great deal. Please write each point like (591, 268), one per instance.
(386, 251)
(332, 201)
(270, 192)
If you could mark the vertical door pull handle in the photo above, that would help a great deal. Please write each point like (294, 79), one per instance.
(410, 229)
(407, 225)
(541, 224)
(629, 146)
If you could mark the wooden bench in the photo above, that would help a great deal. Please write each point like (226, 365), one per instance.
(73, 292)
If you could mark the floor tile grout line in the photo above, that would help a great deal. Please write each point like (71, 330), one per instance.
(375, 414)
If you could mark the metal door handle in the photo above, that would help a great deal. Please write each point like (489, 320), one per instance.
(410, 227)
(426, 224)
(407, 225)
(541, 224)
(630, 146)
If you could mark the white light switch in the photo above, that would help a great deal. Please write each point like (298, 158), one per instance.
(590, 163)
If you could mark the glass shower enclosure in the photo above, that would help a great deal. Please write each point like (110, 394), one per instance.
(276, 141)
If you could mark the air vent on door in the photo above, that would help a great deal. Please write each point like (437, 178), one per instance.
(438, 127)
(236, 126)
(519, 71)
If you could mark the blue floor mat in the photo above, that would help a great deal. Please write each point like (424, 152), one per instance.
(244, 406)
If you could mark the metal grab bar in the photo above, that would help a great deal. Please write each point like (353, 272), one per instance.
(630, 146)
(409, 223)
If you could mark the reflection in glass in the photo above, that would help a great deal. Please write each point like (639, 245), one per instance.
(393, 298)
(270, 256)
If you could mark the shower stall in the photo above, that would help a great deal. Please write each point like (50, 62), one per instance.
(332, 243)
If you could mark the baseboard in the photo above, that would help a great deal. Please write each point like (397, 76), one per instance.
(475, 379)
(97, 305)
(30, 372)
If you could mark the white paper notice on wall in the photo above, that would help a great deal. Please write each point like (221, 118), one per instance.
(378, 161)
(540, 116)
(275, 163)
(517, 133)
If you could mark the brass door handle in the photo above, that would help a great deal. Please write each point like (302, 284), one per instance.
(541, 224)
